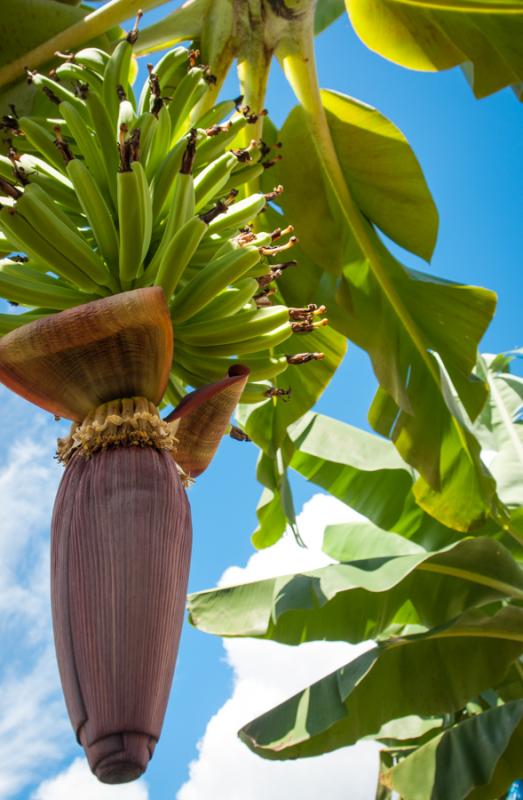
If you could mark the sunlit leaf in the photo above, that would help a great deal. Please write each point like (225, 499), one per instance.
(421, 674)
(401, 317)
(359, 600)
(484, 36)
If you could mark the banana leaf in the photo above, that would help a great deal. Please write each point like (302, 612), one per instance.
(401, 317)
(363, 597)
(483, 37)
(427, 674)
(477, 759)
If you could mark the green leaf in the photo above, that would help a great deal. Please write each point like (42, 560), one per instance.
(401, 317)
(26, 23)
(381, 169)
(267, 425)
(360, 600)
(499, 428)
(366, 472)
(478, 758)
(327, 12)
(483, 36)
(426, 674)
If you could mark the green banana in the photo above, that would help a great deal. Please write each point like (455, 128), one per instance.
(189, 91)
(57, 185)
(146, 207)
(228, 302)
(211, 280)
(245, 325)
(130, 216)
(105, 135)
(86, 143)
(93, 58)
(57, 93)
(97, 212)
(213, 146)
(217, 113)
(30, 241)
(210, 181)
(163, 180)
(239, 214)
(63, 238)
(159, 142)
(169, 71)
(70, 71)
(42, 140)
(178, 253)
(258, 344)
(9, 322)
(18, 286)
(116, 74)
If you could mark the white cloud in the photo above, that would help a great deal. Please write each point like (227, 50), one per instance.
(34, 730)
(77, 782)
(265, 673)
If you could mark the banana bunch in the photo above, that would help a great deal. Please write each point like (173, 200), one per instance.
(114, 190)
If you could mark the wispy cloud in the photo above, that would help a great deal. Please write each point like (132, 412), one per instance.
(34, 731)
(265, 673)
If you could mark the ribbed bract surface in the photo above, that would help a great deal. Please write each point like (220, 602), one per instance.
(121, 545)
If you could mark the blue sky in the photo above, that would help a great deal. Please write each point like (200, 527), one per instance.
(472, 155)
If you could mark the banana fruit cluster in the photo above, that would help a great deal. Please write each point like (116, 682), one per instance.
(112, 192)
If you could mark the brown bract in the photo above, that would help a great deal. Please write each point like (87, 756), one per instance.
(72, 362)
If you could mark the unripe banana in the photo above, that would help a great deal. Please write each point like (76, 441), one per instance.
(86, 143)
(70, 71)
(116, 74)
(217, 113)
(210, 181)
(178, 253)
(105, 135)
(213, 146)
(258, 344)
(160, 138)
(169, 71)
(146, 208)
(97, 212)
(31, 242)
(63, 238)
(42, 140)
(228, 302)
(211, 280)
(242, 176)
(20, 287)
(189, 91)
(58, 92)
(9, 322)
(132, 224)
(93, 58)
(57, 185)
(246, 325)
(239, 214)
(163, 181)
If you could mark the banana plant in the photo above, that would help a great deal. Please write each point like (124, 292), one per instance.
(137, 276)
(393, 312)
(442, 689)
